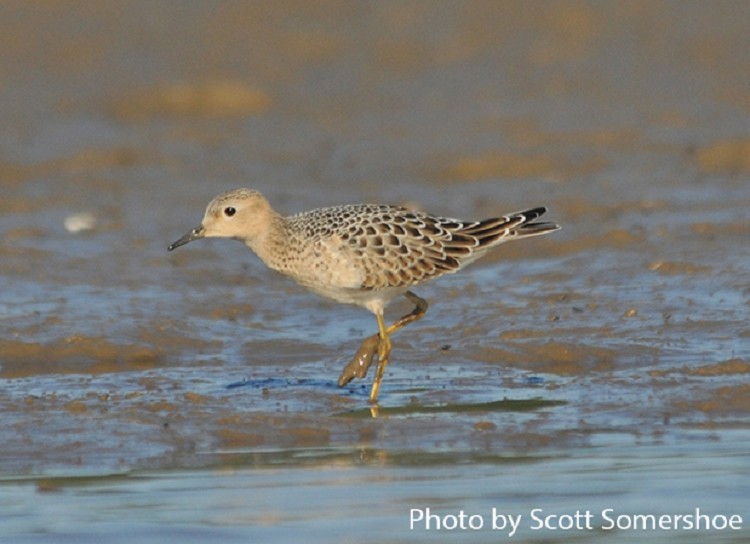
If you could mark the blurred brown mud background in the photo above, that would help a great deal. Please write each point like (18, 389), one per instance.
(191, 393)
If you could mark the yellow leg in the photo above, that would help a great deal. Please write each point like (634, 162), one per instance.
(360, 363)
(419, 310)
(381, 344)
(384, 351)
(384, 346)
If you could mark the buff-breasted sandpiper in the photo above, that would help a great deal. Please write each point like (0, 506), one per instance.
(362, 254)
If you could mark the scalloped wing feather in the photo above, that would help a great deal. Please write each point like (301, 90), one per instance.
(395, 247)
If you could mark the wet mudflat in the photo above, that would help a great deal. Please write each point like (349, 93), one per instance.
(192, 395)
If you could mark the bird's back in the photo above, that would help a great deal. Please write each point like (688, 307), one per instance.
(370, 247)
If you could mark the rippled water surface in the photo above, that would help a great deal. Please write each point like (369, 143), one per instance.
(191, 396)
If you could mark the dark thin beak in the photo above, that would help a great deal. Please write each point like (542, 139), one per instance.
(194, 234)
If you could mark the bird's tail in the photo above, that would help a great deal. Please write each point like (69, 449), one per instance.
(528, 228)
(508, 227)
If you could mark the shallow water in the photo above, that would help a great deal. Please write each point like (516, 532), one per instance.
(192, 395)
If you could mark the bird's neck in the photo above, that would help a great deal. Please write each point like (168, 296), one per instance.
(269, 243)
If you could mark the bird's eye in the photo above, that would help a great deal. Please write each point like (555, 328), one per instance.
(229, 212)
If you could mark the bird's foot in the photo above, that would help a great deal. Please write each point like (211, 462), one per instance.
(361, 361)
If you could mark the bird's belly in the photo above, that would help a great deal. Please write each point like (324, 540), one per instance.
(362, 297)
(326, 268)
(324, 271)
(344, 285)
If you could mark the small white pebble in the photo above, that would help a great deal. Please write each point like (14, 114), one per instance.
(79, 222)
